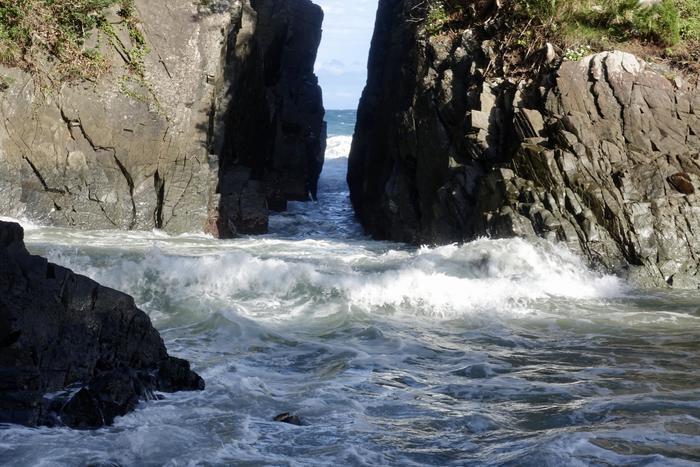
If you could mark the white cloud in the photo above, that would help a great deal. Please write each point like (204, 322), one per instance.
(334, 67)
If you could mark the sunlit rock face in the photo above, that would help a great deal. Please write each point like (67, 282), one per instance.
(226, 86)
(600, 154)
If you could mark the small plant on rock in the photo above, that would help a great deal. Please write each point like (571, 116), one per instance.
(437, 18)
(577, 53)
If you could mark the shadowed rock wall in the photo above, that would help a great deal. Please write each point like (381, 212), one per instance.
(269, 128)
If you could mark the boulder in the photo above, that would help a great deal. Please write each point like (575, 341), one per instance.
(73, 352)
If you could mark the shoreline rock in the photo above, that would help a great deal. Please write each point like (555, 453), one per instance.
(602, 154)
(72, 352)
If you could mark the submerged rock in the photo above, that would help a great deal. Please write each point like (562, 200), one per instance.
(71, 351)
(288, 418)
(602, 154)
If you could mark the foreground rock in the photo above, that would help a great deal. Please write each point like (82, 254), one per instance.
(213, 89)
(71, 351)
(602, 154)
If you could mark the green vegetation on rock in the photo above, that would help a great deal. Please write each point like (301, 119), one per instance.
(689, 19)
(616, 20)
(48, 37)
(669, 28)
(437, 18)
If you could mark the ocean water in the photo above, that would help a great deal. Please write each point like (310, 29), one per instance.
(496, 352)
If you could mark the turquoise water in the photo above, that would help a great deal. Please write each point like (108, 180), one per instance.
(491, 353)
(341, 123)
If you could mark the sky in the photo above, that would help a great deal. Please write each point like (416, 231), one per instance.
(341, 65)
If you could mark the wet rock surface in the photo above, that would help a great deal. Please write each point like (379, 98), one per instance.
(288, 419)
(601, 154)
(227, 82)
(71, 351)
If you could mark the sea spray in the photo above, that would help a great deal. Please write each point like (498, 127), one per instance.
(338, 147)
(484, 277)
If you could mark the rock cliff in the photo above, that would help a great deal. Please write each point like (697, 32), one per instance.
(601, 154)
(195, 92)
(71, 351)
(268, 127)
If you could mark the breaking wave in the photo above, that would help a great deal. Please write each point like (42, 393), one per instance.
(497, 276)
(338, 147)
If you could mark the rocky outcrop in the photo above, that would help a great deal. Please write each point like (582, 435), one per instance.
(601, 154)
(195, 91)
(71, 351)
(269, 128)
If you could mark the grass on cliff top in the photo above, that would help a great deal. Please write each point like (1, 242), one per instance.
(666, 22)
(669, 29)
(48, 36)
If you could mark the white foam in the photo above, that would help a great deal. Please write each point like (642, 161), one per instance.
(338, 147)
(26, 224)
(487, 276)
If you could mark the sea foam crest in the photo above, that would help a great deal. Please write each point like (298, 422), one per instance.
(338, 147)
(486, 275)
(25, 223)
(495, 276)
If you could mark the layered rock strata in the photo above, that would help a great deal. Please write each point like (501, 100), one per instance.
(71, 351)
(601, 154)
(195, 91)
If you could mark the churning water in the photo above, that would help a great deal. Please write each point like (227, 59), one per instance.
(491, 353)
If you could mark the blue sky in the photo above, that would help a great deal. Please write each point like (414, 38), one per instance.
(341, 65)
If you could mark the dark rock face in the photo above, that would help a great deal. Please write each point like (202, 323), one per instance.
(227, 86)
(71, 351)
(273, 145)
(601, 154)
